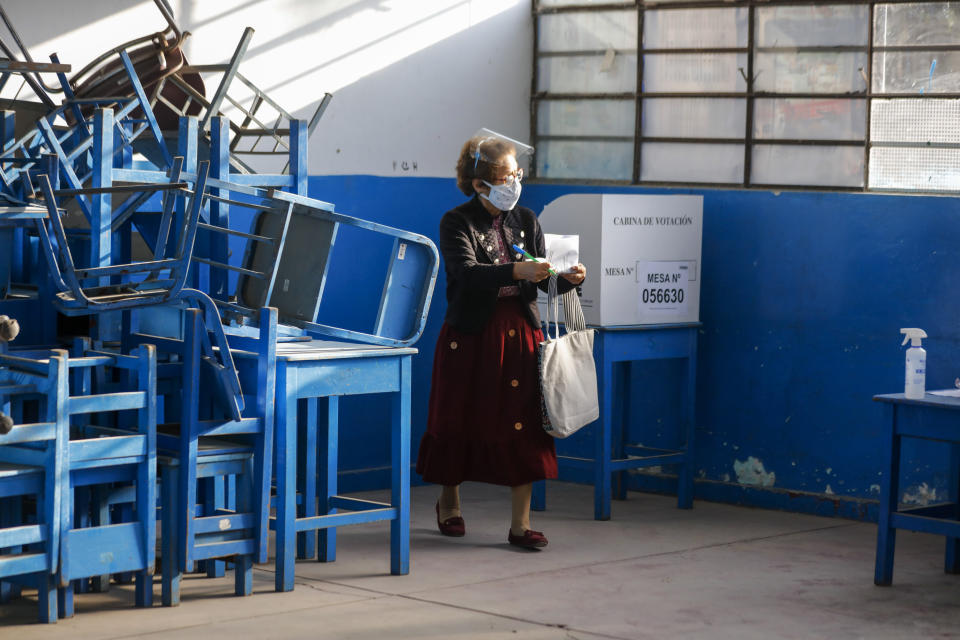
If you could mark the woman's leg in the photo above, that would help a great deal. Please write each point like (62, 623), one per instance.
(520, 521)
(449, 502)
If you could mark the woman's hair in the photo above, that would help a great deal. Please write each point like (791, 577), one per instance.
(492, 152)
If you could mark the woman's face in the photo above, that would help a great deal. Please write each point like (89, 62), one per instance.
(504, 171)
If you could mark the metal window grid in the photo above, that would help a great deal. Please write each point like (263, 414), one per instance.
(750, 95)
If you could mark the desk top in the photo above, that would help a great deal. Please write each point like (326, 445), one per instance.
(308, 350)
(928, 400)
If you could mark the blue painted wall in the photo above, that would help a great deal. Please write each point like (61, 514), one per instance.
(802, 299)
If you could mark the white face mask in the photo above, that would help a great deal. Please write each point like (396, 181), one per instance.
(503, 196)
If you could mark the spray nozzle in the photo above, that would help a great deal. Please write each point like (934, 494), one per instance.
(914, 335)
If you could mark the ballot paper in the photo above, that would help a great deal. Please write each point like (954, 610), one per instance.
(563, 252)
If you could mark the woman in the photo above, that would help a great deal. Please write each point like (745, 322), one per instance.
(485, 420)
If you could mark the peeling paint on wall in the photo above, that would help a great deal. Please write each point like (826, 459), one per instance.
(751, 471)
(921, 494)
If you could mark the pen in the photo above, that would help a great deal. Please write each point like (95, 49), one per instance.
(530, 257)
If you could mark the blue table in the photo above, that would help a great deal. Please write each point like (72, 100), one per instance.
(614, 349)
(931, 418)
(325, 369)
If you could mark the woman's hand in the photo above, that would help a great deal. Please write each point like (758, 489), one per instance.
(576, 274)
(532, 271)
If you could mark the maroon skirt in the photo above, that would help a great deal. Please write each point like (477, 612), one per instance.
(485, 422)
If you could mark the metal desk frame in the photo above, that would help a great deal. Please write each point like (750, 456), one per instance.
(614, 349)
(316, 369)
(931, 418)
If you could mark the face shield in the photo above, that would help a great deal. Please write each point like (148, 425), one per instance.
(499, 159)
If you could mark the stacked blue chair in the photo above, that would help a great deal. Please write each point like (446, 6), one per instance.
(208, 447)
(155, 282)
(112, 451)
(30, 466)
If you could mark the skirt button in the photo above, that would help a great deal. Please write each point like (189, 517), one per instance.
(514, 383)
(512, 332)
(453, 345)
(518, 426)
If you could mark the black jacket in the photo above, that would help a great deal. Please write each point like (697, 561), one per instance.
(474, 272)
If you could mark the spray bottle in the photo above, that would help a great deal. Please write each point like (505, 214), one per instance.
(916, 379)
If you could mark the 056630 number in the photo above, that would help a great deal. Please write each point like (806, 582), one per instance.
(662, 296)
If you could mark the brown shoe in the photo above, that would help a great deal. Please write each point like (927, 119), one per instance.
(529, 540)
(453, 527)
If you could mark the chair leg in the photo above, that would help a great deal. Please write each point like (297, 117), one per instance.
(126, 514)
(82, 497)
(243, 575)
(307, 475)
(101, 508)
(47, 597)
(170, 574)
(327, 478)
(65, 601)
(213, 499)
(144, 588)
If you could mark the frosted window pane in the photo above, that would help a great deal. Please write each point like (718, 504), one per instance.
(694, 72)
(915, 169)
(810, 166)
(915, 72)
(694, 117)
(587, 74)
(695, 28)
(676, 162)
(809, 119)
(797, 26)
(589, 31)
(809, 72)
(919, 24)
(919, 120)
(586, 117)
(586, 160)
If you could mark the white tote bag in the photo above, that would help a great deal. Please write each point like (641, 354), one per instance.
(568, 376)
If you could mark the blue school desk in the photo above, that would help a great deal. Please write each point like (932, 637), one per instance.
(318, 369)
(614, 348)
(931, 418)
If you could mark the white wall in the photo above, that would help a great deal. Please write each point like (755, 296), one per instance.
(412, 79)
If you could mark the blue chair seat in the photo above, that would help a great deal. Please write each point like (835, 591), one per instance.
(118, 296)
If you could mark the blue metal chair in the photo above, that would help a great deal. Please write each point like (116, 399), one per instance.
(154, 282)
(115, 452)
(30, 466)
(290, 250)
(207, 447)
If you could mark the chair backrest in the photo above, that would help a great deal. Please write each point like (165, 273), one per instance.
(115, 448)
(41, 444)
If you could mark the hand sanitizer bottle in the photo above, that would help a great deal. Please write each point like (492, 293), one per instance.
(916, 379)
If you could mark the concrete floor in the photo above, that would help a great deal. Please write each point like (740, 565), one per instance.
(716, 571)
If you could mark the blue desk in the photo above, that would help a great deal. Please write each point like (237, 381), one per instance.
(614, 349)
(324, 369)
(932, 418)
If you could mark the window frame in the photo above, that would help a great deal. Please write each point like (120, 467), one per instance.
(750, 95)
